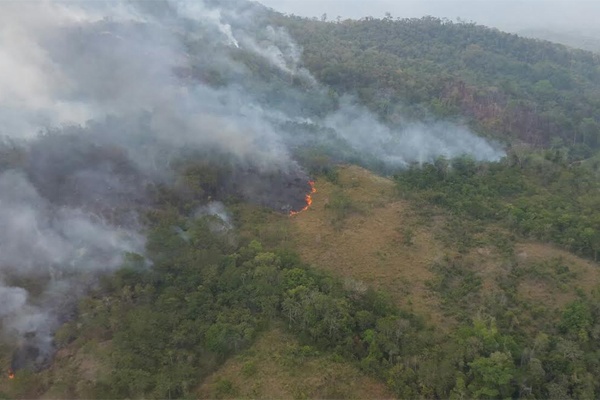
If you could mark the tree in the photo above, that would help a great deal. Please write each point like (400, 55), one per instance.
(577, 320)
(492, 376)
(590, 130)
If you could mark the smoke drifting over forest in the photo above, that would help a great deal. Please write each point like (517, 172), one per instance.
(98, 99)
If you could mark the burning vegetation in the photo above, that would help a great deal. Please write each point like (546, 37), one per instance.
(308, 198)
(31, 354)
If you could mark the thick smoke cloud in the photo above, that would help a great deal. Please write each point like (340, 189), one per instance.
(99, 99)
(61, 248)
(87, 61)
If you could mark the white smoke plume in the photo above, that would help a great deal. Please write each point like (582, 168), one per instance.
(413, 142)
(217, 209)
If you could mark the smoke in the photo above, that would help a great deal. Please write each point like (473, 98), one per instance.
(217, 209)
(61, 249)
(99, 99)
(414, 142)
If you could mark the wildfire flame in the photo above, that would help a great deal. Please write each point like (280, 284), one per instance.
(309, 200)
(11, 374)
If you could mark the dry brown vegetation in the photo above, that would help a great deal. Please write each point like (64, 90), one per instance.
(371, 244)
(584, 275)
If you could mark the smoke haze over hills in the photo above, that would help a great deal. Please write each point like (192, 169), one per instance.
(97, 101)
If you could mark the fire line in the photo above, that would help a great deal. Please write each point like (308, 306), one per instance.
(11, 374)
(309, 200)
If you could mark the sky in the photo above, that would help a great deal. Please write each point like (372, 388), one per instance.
(579, 16)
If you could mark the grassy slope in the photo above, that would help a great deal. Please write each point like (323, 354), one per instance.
(586, 275)
(369, 246)
(278, 367)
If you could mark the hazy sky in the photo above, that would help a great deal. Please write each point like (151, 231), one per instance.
(509, 15)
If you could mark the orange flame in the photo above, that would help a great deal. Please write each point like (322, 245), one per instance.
(11, 374)
(309, 199)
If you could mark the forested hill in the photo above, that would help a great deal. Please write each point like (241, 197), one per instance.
(517, 88)
(230, 180)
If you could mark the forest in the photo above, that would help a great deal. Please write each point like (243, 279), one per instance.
(452, 277)
(519, 89)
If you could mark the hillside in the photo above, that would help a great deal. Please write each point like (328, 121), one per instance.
(277, 366)
(508, 86)
(249, 204)
(358, 229)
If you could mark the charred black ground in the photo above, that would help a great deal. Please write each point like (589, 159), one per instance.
(29, 355)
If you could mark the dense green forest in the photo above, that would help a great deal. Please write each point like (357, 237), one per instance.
(540, 196)
(207, 288)
(510, 87)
